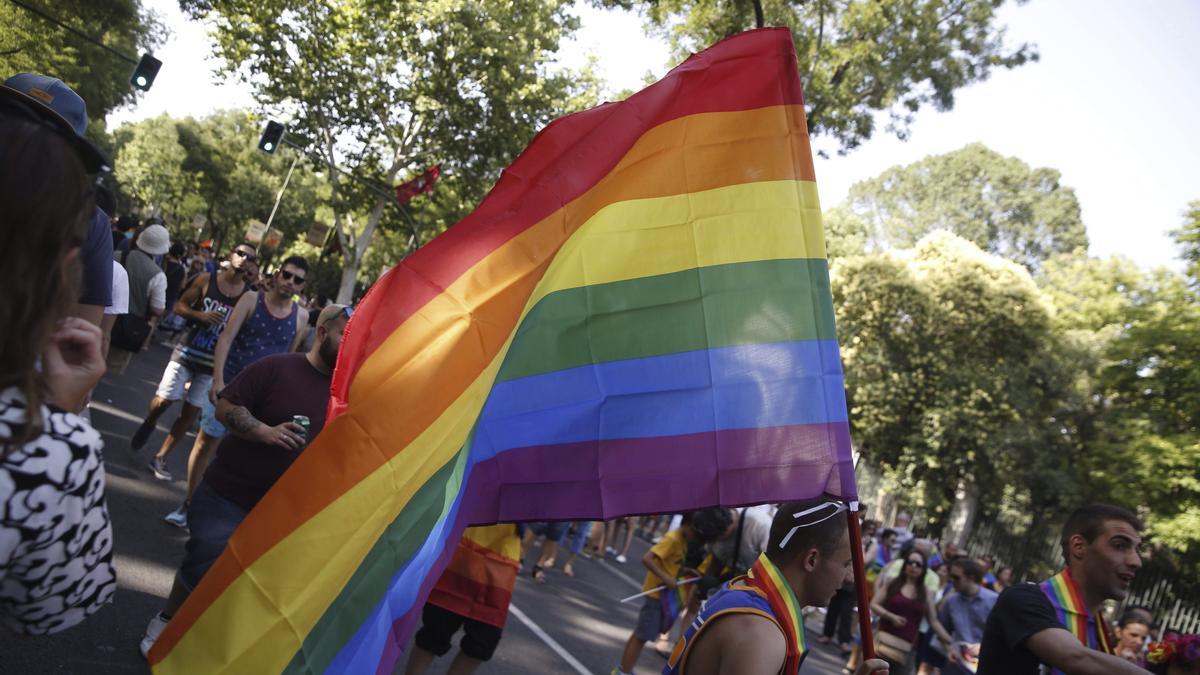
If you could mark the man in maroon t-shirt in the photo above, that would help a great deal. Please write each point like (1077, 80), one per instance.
(257, 408)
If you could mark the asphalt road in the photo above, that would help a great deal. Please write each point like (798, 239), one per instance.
(567, 625)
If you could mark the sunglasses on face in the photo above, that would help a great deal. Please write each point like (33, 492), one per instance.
(243, 254)
(289, 276)
(914, 563)
(955, 577)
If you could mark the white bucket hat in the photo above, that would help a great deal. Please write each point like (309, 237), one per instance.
(154, 240)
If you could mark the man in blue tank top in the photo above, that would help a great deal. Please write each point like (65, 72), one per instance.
(754, 626)
(262, 323)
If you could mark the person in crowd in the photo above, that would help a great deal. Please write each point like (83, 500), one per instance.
(66, 107)
(176, 272)
(665, 568)
(552, 532)
(879, 554)
(902, 602)
(988, 563)
(1132, 632)
(964, 615)
(903, 535)
(123, 228)
(931, 656)
(207, 302)
(574, 540)
(261, 324)
(473, 594)
(258, 406)
(147, 296)
(56, 557)
(1003, 578)
(753, 626)
(610, 536)
(1177, 654)
(119, 306)
(1056, 623)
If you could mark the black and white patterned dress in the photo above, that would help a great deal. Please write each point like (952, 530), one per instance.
(56, 564)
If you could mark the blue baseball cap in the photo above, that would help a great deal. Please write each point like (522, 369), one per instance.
(52, 100)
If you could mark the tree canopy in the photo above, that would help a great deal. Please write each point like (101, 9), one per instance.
(384, 89)
(29, 43)
(857, 58)
(1000, 203)
(950, 370)
(211, 167)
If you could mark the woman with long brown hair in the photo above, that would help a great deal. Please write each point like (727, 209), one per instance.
(55, 536)
(901, 603)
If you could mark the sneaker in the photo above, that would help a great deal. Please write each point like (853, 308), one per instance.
(621, 559)
(141, 435)
(153, 630)
(158, 466)
(178, 517)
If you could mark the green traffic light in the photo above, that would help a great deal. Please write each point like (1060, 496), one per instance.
(268, 146)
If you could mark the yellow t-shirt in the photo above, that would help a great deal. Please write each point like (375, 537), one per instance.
(670, 552)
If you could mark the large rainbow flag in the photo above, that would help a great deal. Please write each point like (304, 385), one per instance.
(637, 319)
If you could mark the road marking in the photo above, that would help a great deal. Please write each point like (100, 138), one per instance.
(628, 579)
(115, 412)
(550, 642)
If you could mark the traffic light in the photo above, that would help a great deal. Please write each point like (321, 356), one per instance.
(147, 69)
(272, 136)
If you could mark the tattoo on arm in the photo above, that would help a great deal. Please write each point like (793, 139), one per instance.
(241, 421)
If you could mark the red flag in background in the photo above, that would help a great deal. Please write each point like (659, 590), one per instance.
(419, 185)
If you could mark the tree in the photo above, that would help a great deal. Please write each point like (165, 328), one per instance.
(210, 166)
(1187, 237)
(857, 57)
(951, 374)
(999, 203)
(1135, 415)
(384, 89)
(29, 43)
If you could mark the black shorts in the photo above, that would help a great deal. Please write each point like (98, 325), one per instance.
(439, 625)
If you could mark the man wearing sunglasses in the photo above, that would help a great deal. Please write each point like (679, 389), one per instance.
(206, 303)
(262, 323)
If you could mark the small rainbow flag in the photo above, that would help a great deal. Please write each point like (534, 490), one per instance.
(637, 319)
(673, 602)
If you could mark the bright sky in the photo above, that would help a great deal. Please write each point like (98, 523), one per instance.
(1112, 105)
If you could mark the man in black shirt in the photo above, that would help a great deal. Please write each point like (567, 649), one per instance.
(1024, 633)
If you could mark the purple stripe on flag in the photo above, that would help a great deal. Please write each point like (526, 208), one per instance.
(609, 478)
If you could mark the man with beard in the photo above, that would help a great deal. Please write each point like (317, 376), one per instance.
(258, 407)
(1057, 626)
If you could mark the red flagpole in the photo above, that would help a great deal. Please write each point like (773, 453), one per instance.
(860, 583)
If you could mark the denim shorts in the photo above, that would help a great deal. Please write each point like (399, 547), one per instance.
(208, 419)
(552, 531)
(211, 520)
(176, 377)
(650, 620)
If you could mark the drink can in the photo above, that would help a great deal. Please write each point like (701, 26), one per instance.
(303, 421)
